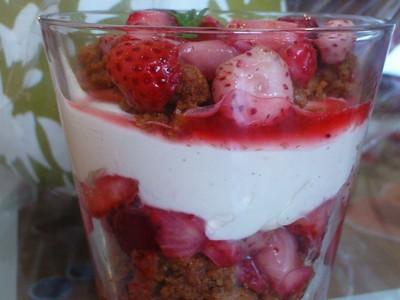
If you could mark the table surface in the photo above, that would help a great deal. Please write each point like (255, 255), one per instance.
(45, 238)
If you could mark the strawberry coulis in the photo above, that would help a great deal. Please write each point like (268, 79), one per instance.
(296, 127)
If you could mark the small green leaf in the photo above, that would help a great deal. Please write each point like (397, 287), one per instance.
(191, 18)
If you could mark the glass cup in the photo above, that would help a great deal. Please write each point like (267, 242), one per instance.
(214, 162)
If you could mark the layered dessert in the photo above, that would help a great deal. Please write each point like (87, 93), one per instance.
(215, 163)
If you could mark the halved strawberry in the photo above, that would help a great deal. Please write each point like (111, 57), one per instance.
(310, 229)
(108, 192)
(146, 71)
(335, 45)
(206, 55)
(250, 276)
(151, 18)
(222, 253)
(301, 58)
(278, 256)
(271, 40)
(178, 234)
(255, 86)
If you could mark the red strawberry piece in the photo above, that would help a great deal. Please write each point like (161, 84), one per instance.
(255, 86)
(301, 59)
(255, 243)
(178, 234)
(108, 192)
(222, 253)
(301, 21)
(311, 228)
(146, 71)
(278, 256)
(272, 40)
(334, 46)
(206, 55)
(209, 21)
(151, 18)
(132, 228)
(294, 282)
(250, 276)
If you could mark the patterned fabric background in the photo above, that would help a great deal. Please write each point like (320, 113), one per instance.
(31, 140)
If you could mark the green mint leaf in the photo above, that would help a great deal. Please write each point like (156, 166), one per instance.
(191, 18)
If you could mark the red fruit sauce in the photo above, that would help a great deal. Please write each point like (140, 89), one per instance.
(293, 128)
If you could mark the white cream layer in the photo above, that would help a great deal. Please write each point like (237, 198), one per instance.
(237, 192)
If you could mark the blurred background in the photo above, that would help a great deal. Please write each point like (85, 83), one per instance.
(41, 238)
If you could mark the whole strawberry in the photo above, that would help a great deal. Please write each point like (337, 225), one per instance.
(146, 71)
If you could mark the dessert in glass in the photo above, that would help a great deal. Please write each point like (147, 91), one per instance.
(213, 152)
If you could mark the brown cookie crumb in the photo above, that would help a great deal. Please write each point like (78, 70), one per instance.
(92, 68)
(197, 278)
(330, 81)
(193, 89)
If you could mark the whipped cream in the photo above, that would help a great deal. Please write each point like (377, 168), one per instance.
(237, 192)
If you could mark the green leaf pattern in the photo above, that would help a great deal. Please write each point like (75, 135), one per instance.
(31, 139)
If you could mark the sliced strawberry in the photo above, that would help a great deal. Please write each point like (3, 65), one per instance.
(107, 192)
(278, 256)
(301, 59)
(132, 228)
(222, 253)
(271, 40)
(178, 234)
(310, 229)
(255, 86)
(146, 71)
(334, 46)
(250, 276)
(206, 55)
(151, 18)
(295, 282)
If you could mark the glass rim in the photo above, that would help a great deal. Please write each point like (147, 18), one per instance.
(367, 23)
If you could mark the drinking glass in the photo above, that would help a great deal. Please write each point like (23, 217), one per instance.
(214, 162)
